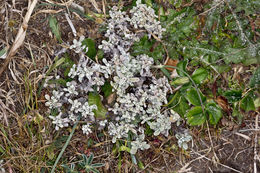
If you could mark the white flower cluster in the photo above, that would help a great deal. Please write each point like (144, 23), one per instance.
(77, 45)
(139, 93)
(183, 139)
(145, 17)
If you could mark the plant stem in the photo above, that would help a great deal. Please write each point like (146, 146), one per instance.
(64, 147)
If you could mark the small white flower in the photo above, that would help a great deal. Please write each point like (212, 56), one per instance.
(77, 45)
(183, 139)
(59, 121)
(54, 100)
(86, 129)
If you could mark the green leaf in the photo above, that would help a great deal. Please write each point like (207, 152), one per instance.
(97, 165)
(247, 103)
(107, 89)
(233, 95)
(124, 148)
(199, 75)
(151, 48)
(255, 79)
(3, 53)
(68, 63)
(100, 54)
(90, 44)
(193, 97)
(50, 152)
(55, 28)
(178, 103)
(95, 99)
(57, 63)
(182, 65)
(90, 159)
(94, 170)
(180, 81)
(214, 112)
(196, 116)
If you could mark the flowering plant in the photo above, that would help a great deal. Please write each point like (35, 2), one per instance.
(139, 93)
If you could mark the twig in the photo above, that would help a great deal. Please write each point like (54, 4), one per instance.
(20, 36)
(255, 146)
(211, 8)
(217, 162)
(71, 25)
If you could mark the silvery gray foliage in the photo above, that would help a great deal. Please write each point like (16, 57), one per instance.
(139, 94)
(183, 139)
(145, 17)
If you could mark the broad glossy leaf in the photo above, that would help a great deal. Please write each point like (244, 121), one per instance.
(247, 103)
(214, 112)
(196, 116)
(233, 95)
(199, 75)
(182, 65)
(178, 103)
(95, 99)
(91, 47)
(193, 97)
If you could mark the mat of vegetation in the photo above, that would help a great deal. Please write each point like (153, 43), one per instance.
(129, 86)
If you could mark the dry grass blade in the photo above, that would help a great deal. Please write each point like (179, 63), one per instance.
(94, 3)
(255, 146)
(20, 36)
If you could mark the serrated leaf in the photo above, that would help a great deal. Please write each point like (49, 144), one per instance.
(233, 95)
(182, 65)
(214, 112)
(90, 44)
(95, 99)
(55, 28)
(247, 103)
(255, 79)
(193, 97)
(196, 116)
(199, 75)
